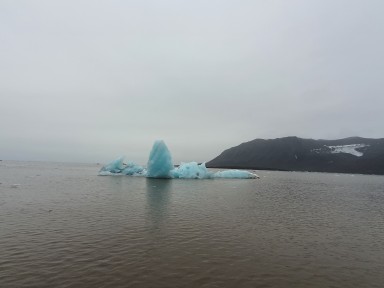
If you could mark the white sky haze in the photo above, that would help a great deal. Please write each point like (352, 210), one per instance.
(88, 81)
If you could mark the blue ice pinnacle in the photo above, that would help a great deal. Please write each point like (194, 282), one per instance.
(160, 161)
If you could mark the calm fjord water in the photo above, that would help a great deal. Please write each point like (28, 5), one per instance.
(63, 226)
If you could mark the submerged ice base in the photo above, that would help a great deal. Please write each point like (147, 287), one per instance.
(160, 165)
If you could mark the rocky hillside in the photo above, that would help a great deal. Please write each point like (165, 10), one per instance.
(349, 155)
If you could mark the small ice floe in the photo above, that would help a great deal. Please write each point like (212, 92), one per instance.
(15, 185)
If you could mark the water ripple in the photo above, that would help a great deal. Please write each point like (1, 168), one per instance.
(69, 228)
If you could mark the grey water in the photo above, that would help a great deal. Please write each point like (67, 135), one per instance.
(61, 225)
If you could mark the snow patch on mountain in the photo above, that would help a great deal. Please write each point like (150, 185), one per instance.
(349, 149)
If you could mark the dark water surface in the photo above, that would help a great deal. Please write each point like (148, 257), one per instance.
(63, 226)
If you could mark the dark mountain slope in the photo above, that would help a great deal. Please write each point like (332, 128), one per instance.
(349, 155)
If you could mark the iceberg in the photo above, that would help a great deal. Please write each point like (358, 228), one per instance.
(160, 161)
(133, 169)
(118, 166)
(235, 174)
(160, 165)
(191, 170)
(114, 167)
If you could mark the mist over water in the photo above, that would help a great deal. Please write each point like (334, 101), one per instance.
(62, 226)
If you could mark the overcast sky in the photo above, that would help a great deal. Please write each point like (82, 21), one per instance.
(88, 81)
